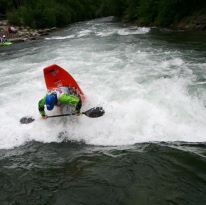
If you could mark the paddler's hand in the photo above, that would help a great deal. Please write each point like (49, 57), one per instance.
(44, 117)
(78, 113)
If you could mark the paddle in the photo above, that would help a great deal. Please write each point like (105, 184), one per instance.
(92, 113)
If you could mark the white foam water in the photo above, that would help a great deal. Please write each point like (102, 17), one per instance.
(144, 89)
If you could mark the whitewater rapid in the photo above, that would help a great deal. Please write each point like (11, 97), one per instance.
(150, 92)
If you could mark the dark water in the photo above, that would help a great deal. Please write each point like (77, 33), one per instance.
(75, 173)
(70, 172)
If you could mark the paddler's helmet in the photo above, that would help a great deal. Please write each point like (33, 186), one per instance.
(51, 100)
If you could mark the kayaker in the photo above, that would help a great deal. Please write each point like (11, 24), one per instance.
(61, 97)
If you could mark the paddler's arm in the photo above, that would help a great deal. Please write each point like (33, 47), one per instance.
(71, 100)
(41, 104)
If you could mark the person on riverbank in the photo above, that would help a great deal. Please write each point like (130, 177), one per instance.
(3, 39)
(12, 29)
(66, 98)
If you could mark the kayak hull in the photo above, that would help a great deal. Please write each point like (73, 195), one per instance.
(55, 77)
(7, 43)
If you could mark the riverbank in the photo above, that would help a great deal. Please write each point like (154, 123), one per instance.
(190, 23)
(23, 33)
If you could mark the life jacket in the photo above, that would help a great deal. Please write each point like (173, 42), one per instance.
(63, 90)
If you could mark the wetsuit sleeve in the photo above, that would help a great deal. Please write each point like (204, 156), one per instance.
(41, 104)
(71, 100)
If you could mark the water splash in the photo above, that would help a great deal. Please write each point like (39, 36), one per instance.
(143, 85)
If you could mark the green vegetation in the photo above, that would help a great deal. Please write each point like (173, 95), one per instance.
(49, 13)
(161, 12)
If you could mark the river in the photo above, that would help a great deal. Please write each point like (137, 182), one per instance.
(148, 148)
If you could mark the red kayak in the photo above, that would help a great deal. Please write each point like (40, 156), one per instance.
(55, 77)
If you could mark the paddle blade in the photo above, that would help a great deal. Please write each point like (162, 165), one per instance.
(94, 112)
(26, 120)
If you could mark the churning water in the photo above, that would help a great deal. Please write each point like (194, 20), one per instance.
(151, 91)
(152, 85)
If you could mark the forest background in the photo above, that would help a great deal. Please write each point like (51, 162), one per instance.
(59, 13)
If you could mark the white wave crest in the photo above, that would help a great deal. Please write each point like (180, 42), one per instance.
(60, 37)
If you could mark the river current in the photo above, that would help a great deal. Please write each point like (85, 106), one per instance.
(148, 148)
